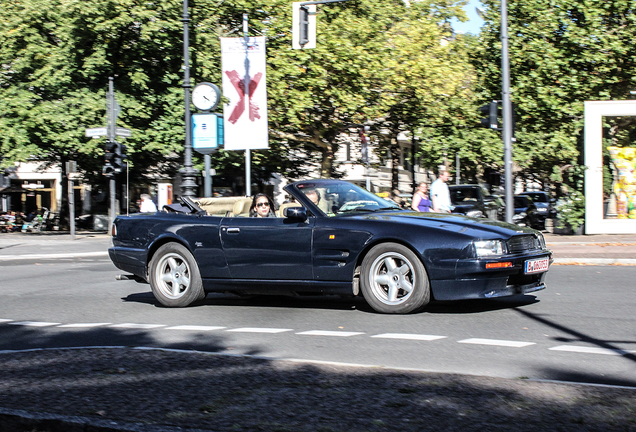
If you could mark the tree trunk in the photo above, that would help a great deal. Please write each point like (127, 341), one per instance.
(395, 164)
(326, 166)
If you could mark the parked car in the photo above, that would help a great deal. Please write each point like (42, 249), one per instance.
(526, 213)
(475, 201)
(351, 242)
(545, 205)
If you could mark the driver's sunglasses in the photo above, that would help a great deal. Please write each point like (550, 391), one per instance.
(262, 204)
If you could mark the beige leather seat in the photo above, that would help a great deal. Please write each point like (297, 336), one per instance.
(281, 209)
(220, 206)
(242, 207)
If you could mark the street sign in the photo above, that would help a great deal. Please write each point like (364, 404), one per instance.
(123, 132)
(96, 132)
(207, 132)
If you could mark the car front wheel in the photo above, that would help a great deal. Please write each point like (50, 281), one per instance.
(174, 276)
(394, 280)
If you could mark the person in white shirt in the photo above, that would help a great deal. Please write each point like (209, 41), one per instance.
(147, 206)
(440, 194)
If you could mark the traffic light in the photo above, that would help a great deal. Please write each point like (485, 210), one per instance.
(120, 157)
(490, 110)
(304, 26)
(114, 158)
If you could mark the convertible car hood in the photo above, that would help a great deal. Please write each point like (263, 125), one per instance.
(451, 222)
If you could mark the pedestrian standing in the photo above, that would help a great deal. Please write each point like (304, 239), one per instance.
(147, 206)
(421, 201)
(440, 195)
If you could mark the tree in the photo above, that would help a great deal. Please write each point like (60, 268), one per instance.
(562, 52)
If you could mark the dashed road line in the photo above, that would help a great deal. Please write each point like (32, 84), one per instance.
(137, 326)
(259, 330)
(329, 333)
(34, 323)
(590, 350)
(195, 328)
(496, 342)
(83, 325)
(408, 336)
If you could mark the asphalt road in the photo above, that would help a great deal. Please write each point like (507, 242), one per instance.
(580, 329)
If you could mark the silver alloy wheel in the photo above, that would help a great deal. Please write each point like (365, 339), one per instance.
(392, 278)
(172, 275)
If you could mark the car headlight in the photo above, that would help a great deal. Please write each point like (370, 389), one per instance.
(518, 217)
(541, 240)
(484, 248)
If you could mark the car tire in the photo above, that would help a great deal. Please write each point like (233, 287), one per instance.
(174, 276)
(394, 280)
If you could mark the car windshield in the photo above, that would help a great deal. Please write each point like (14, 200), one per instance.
(337, 198)
(537, 197)
(463, 195)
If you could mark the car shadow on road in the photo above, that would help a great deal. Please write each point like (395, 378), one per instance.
(480, 305)
(341, 303)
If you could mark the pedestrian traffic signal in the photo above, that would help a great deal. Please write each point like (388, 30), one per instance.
(490, 110)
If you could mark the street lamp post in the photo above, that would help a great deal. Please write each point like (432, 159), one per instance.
(507, 112)
(188, 173)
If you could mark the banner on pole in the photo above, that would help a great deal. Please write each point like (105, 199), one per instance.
(245, 115)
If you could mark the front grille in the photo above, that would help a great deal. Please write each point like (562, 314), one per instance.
(523, 243)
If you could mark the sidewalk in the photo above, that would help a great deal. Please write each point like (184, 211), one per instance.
(596, 249)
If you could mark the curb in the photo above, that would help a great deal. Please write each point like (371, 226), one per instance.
(595, 261)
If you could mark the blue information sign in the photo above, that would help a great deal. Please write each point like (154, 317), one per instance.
(207, 132)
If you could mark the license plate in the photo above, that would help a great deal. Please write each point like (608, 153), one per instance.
(537, 266)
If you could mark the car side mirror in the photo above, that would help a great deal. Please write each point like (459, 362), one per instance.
(299, 213)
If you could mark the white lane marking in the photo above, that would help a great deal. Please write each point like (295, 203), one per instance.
(83, 325)
(258, 330)
(52, 256)
(137, 326)
(496, 342)
(408, 336)
(590, 350)
(195, 328)
(34, 323)
(329, 333)
(5, 320)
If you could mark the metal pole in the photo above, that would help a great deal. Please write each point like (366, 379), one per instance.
(507, 112)
(246, 90)
(110, 136)
(456, 168)
(207, 177)
(71, 206)
(188, 173)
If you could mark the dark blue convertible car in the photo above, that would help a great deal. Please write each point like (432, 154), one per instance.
(334, 238)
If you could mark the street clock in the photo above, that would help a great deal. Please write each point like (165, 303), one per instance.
(206, 96)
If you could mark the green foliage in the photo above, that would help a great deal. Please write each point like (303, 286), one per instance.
(562, 52)
(571, 211)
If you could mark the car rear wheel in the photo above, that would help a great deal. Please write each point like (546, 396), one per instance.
(174, 276)
(394, 280)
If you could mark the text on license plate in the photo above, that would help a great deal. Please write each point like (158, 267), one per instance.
(537, 266)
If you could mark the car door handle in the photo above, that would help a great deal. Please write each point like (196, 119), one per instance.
(233, 230)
